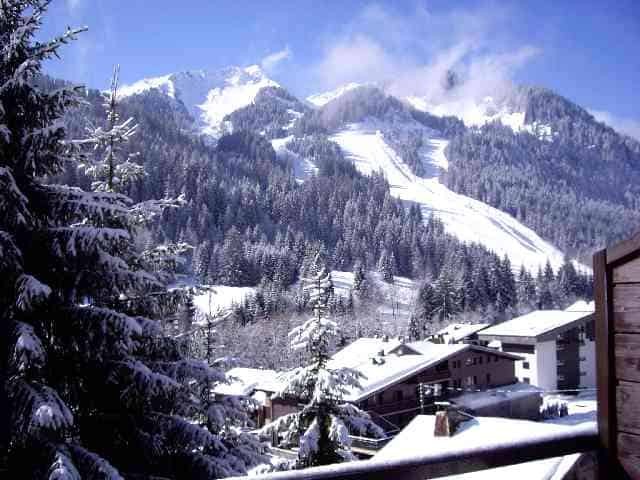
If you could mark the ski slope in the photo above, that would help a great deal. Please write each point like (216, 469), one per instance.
(466, 218)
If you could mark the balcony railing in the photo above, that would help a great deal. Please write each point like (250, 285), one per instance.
(580, 439)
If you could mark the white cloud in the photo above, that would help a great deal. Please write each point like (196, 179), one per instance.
(73, 5)
(411, 54)
(271, 61)
(628, 126)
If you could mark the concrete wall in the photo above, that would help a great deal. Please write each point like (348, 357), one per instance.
(587, 354)
(546, 365)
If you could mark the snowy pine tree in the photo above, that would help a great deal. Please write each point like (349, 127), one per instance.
(111, 172)
(90, 379)
(321, 428)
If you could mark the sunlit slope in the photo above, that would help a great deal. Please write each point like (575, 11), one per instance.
(468, 219)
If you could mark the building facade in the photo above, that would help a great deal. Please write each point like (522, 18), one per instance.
(557, 347)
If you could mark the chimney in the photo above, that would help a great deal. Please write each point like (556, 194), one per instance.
(448, 421)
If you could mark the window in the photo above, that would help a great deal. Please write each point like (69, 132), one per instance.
(442, 367)
(480, 360)
(488, 358)
(488, 379)
(518, 348)
(380, 398)
(398, 395)
(475, 361)
(526, 380)
(525, 365)
(496, 358)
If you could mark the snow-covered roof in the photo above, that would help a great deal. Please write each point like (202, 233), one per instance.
(387, 362)
(582, 306)
(373, 358)
(458, 331)
(534, 324)
(243, 381)
(493, 396)
(417, 439)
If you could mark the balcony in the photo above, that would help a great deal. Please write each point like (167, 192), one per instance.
(473, 458)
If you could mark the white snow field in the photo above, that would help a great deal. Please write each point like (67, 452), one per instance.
(466, 218)
(208, 96)
(218, 299)
(303, 168)
(394, 301)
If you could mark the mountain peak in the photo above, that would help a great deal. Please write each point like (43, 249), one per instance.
(321, 99)
(208, 95)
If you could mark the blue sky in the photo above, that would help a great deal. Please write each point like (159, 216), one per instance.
(588, 51)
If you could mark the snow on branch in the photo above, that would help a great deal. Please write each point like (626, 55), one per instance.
(63, 468)
(73, 202)
(31, 291)
(139, 380)
(10, 254)
(36, 407)
(124, 324)
(13, 203)
(92, 465)
(28, 351)
(83, 238)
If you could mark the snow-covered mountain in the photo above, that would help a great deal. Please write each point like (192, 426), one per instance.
(321, 99)
(208, 95)
(372, 145)
(510, 110)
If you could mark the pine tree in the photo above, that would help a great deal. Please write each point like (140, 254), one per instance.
(386, 266)
(321, 428)
(234, 269)
(426, 306)
(111, 173)
(90, 379)
(446, 295)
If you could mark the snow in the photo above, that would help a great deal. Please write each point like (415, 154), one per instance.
(418, 439)
(468, 219)
(381, 365)
(395, 299)
(220, 298)
(581, 306)
(303, 168)
(535, 323)
(475, 113)
(459, 331)
(321, 99)
(208, 95)
(583, 408)
(492, 396)
(243, 381)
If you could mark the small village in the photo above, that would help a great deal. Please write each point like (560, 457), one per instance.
(466, 383)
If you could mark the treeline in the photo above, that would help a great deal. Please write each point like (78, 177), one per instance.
(579, 189)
